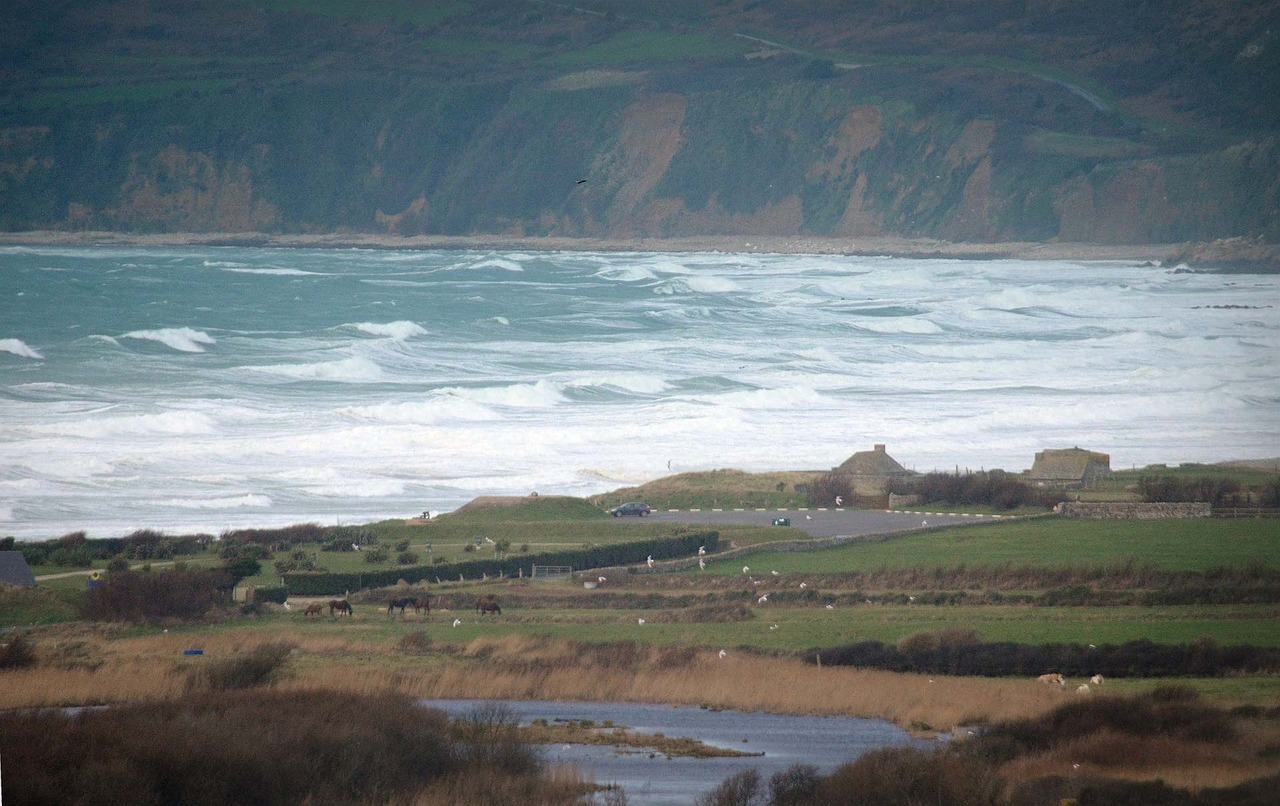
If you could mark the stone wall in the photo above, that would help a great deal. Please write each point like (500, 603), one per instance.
(896, 500)
(1130, 511)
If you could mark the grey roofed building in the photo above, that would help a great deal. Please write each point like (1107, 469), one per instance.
(15, 571)
(1069, 468)
(871, 470)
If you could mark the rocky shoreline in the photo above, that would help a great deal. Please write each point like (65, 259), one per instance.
(799, 245)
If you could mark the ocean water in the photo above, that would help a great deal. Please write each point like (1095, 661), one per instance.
(201, 389)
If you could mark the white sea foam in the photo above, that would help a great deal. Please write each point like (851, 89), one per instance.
(542, 394)
(630, 381)
(783, 398)
(626, 274)
(169, 423)
(438, 409)
(360, 488)
(249, 500)
(185, 339)
(502, 320)
(347, 370)
(279, 272)
(19, 348)
(904, 325)
(400, 331)
(752, 364)
(497, 263)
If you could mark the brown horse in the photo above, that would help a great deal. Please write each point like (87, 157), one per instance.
(488, 604)
(340, 606)
(313, 610)
(418, 604)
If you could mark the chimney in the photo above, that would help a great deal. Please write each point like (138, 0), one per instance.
(879, 447)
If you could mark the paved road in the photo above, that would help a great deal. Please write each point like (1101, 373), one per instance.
(816, 523)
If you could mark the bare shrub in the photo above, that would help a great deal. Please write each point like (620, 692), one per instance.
(260, 666)
(826, 488)
(797, 785)
(742, 789)
(907, 775)
(488, 736)
(414, 643)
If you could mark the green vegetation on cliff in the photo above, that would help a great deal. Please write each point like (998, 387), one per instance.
(1098, 121)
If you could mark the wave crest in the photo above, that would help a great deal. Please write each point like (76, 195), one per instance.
(183, 339)
(399, 331)
(348, 370)
(20, 348)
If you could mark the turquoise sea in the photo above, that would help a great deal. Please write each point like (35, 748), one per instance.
(200, 389)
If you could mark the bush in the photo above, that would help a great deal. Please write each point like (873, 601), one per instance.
(736, 790)
(259, 666)
(797, 785)
(907, 775)
(826, 488)
(17, 652)
(407, 558)
(993, 488)
(224, 747)
(277, 594)
(932, 654)
(375, 556)
(488, 736)
(142, 596)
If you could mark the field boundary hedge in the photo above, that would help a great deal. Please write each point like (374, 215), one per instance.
(1203, 657)
(312, 583)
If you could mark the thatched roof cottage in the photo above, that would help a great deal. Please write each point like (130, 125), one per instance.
(1069, 468)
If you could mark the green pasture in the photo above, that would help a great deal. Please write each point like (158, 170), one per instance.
(647, 46)
(412, 11)
(51, 95)
(1172, 545)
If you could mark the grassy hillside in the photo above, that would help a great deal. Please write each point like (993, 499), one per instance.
(1129, 122)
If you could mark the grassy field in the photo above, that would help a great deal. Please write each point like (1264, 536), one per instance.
(1173, 545)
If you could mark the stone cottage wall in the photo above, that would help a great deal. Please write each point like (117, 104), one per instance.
(1129, 511)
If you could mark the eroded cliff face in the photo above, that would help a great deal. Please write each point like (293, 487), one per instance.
(860, 172)
(177, 189)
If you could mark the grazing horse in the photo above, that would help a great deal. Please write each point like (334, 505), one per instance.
(313, 610)
(418, 604)
(488, 604)
(340, 606)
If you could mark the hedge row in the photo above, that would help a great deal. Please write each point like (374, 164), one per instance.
(1203, 657)
(310, 583)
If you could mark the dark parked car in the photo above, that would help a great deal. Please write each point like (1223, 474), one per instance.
(631, 508)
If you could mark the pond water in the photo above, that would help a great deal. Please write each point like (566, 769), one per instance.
(785, 740)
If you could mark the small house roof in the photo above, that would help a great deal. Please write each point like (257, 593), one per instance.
(872, 463)
(1066, 464)
(15, 571)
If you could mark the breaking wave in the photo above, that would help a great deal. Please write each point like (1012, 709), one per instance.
(184, 339)
(19, 348)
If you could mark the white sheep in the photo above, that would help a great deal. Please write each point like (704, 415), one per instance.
(1096, 680)
(1084, 689)
(1052, 677)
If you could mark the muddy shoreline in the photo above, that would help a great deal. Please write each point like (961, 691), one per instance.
(758, 244)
